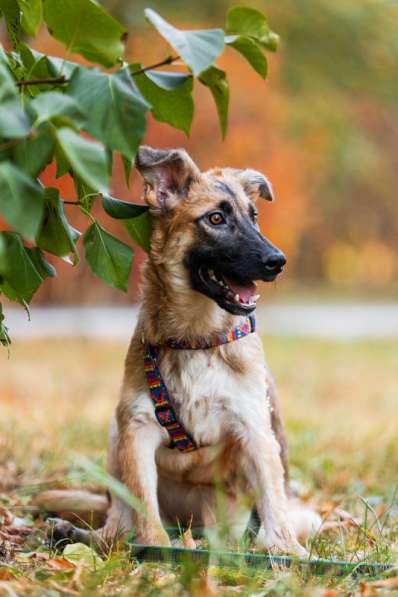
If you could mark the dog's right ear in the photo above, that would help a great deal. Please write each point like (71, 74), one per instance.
(168, 174)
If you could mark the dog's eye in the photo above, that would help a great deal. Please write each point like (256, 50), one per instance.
(216, 218)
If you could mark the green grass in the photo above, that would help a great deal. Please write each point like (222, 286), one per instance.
(339, 400)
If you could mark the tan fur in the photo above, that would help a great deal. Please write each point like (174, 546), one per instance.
(223, 396)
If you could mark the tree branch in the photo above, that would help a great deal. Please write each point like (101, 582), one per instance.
(168, 60)
(55, 81)
(64, 81)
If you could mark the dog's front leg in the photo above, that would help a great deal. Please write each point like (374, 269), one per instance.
(264, 472)
(137, 446)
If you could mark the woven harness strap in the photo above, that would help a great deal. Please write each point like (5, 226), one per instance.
(164, 411)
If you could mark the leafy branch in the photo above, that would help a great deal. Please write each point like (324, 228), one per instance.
(47, 102)
(64, 81)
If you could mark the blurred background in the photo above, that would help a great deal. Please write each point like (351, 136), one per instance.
(323, 127)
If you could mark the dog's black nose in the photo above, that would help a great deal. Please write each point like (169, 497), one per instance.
(275, 263)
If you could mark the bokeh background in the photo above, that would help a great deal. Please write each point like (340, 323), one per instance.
(323, 126)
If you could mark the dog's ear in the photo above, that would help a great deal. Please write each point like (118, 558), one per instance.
(255, 184)
(168, 174)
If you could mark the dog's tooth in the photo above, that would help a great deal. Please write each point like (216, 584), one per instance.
(212, 275)
(237, 298)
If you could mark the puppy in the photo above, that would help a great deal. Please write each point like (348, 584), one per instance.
(199, 287)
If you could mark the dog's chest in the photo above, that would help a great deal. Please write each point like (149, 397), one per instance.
(215, 396)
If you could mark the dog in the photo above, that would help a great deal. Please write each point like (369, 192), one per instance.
(199, 283)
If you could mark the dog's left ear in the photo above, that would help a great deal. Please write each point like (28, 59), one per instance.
(255, 184)
(168, 174)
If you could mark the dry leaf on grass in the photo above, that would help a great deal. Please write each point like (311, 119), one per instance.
(337, 524)
(78, 553)
(205, 586)
(6, 574)
(386, 583)
(6, 517)
(60, 564)
(366, 590)
(188, 540)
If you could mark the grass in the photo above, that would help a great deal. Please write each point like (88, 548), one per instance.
(339, 399)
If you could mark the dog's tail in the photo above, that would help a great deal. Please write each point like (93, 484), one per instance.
(74, 505)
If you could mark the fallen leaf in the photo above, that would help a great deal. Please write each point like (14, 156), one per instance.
(337, 524)
(17, 530)
(6, 574)
(60, 564)
(366, 590)
(386, 583)
(188, 540)
(205, 586)
(7, 516)
(78, 552)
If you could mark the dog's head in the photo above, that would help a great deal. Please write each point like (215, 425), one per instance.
(205, 227)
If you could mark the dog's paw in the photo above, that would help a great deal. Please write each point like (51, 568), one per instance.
(61, 532)
(280, 542)
(305, 522)
(156, 537)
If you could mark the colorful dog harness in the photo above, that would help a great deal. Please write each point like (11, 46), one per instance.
(164, 411)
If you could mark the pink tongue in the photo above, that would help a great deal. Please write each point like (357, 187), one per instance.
(245, 292)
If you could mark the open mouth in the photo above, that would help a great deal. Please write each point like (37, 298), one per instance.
(236, 296)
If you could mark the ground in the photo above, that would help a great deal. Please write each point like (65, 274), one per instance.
(339, 400)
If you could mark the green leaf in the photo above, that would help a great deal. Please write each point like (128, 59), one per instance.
(4, 337)
(33, 154)
(85, 27)
(21, 278)
(140, 230)
(13, 120)
(173, 105)
(127, 167)
(85, 194)
(216, 80)
(250, 50)
(58, 107)
(122, 210)
(242, 20)
(55, 234)
(167, 80)
(31, 15)
(41, 66)
(108, 257)
(21, 200)
(83, 556)
(12, 15)
(2, 255)
(86, 158)
(115, 111)
(63, 166)
(198, 49)
(45, 269)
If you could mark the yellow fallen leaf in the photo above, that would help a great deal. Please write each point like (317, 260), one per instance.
(79, 553)
(6, 574)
